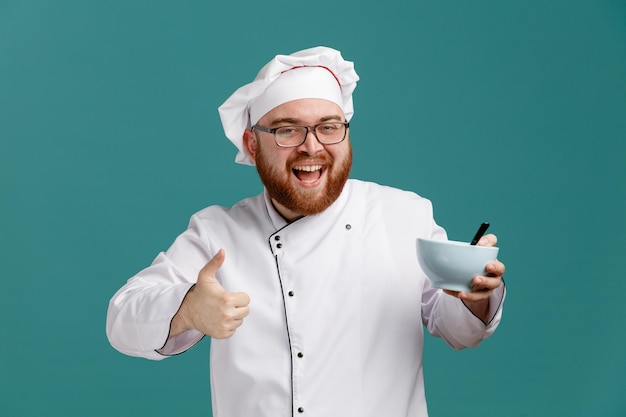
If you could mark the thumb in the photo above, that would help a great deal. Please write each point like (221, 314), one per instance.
(210, 269)
(488, 240)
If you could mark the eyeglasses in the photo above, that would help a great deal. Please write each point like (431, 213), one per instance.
(327, 133)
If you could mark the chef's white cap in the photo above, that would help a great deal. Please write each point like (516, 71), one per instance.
(319, 72)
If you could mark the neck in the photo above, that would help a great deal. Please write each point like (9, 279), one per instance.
(289, 215)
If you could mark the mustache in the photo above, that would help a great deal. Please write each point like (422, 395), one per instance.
(322, 159)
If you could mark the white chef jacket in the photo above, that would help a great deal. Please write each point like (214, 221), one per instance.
(337, 311)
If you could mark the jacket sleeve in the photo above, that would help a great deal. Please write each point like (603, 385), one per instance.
(447, 317)
(140, 313)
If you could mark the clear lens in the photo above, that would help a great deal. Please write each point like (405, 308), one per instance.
(290, 135)
(330, 132)
(326, 133)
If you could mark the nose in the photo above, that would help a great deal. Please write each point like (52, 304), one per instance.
(311, 144)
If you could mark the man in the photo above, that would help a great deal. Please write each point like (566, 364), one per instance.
(311, 291)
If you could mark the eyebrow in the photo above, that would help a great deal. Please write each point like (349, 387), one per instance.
(294, 121)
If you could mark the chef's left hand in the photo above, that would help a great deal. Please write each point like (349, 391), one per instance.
(483, 285)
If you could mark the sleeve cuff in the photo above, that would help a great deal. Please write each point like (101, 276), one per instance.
(180, 343)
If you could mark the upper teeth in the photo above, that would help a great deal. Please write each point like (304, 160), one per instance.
(309, 168)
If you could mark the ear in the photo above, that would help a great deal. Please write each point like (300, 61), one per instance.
(250, 144)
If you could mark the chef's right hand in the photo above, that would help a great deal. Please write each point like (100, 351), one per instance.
(209, 308)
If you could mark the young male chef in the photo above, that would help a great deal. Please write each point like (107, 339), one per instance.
(310, 291)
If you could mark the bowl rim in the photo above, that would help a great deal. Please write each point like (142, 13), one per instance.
(453, 243)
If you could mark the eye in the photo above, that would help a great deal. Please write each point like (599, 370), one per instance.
(288, 130)
(328, 127)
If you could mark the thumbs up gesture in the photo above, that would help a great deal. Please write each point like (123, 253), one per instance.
(209, 308)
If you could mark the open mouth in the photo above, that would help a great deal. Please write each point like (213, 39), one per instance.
(308, 174)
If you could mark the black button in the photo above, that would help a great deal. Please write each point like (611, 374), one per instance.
(280, 245)
(300, 410)
(348, 226)
(300, 354)
(290, 293)
(276, 237)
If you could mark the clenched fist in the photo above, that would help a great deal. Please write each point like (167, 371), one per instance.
(209, 308)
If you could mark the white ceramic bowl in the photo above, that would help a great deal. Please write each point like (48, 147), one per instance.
(452, 265)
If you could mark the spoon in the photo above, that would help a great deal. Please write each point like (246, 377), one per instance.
(481, 231)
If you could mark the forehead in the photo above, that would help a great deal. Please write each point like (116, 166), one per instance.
(306, 110)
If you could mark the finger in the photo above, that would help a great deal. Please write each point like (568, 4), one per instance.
(241, 313)
(452, 293)
(240, 299)
(481, 283)
(476, 295)
(488, 240)
(495, 268)
(210, 269)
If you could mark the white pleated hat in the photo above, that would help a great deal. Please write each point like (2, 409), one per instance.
(318, 72)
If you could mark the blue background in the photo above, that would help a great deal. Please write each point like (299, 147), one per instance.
(511, 112)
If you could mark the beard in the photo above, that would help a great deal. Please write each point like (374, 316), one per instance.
(301, 200)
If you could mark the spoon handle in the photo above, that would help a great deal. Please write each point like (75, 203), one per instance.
(481, 231)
